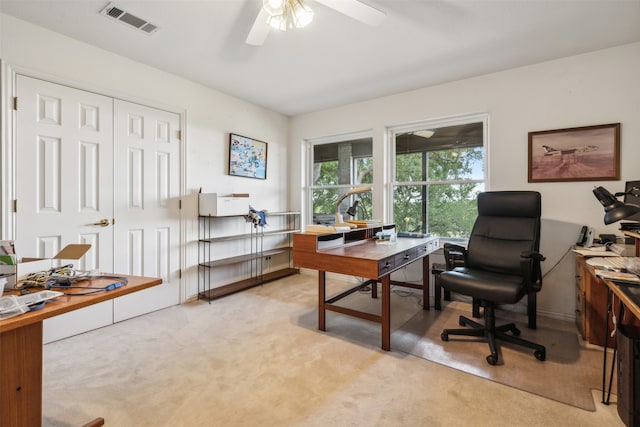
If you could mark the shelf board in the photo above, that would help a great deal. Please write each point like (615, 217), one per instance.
(247, 236)
(239, 215)
(274, 232)
(241, 285)
(243, 258)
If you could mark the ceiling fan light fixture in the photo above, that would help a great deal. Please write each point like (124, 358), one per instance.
(426, 133)
(302, 14)
(287, 14)
(274, 7)
(277, 22)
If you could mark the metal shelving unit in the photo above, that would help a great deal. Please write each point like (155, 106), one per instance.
(209, 237)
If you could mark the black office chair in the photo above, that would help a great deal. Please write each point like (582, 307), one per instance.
(501, 266)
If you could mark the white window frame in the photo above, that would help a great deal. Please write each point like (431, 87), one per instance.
(392, 131)
(309, 187)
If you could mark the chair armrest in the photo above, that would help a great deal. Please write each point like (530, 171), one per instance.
(454, 255)
(530, 265)
(533, 255)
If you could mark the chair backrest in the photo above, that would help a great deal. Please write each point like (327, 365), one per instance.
(508, 224)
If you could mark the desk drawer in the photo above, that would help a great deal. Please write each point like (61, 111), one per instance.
(406, 257)
(386, 265)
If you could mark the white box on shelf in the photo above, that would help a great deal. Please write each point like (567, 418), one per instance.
(213, 204)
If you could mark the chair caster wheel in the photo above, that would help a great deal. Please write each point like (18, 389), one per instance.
(461, 322)
(492, 360)
(444, 337)
(516, 332)
(540, 355)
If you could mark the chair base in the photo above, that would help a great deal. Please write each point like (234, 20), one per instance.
(491, 333)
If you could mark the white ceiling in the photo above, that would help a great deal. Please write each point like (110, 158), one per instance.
(337, 60)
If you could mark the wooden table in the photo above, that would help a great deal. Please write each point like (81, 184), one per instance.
(362, 257)
(21, 348)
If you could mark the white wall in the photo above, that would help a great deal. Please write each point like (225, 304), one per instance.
(210, 115)
(595, 88)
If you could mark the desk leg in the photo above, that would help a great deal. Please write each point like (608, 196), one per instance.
(21, 374)
(425, 283)
(322, 280)
(386, 312)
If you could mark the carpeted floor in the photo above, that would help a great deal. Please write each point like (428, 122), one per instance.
(256, 358)
(568, 374)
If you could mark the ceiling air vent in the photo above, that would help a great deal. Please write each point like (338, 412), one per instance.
(114, 12)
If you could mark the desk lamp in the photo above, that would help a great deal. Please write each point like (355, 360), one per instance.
(614, 209)
(352, 210)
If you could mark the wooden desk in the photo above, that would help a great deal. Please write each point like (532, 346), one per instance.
(591, 312)
(21, 349)
(362, 257)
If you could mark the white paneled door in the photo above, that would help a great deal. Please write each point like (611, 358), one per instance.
(64, 178)
(93, 169)
(147, 207)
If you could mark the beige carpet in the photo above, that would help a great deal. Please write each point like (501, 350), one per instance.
(569, 373)
(256, 358)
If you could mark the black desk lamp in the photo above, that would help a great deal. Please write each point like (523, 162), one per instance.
(614, 209)
(353, 210)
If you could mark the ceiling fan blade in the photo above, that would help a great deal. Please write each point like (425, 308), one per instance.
(260, 29)
(356, 10)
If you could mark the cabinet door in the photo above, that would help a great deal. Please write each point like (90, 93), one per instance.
(596, 310)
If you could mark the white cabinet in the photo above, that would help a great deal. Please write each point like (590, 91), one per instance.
(235, 254)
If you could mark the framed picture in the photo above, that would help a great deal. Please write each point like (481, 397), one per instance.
(247, 157)
(590, 153)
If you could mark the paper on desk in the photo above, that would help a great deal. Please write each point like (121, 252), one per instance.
(618, 276)
(595, 252)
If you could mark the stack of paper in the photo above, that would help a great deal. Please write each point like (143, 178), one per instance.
(617, 276)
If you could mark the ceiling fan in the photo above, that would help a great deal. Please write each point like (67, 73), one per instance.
(287, 14)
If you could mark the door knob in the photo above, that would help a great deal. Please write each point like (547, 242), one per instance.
(102, 223)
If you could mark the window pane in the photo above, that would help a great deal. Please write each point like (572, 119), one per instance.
(363, 170)
(408, 210)
(325, 173)
(439, 172)
(337, 168)
(344, 162)
(441, 154)
(439, 209)
(409, 167)
(324, 205)
(464, 163)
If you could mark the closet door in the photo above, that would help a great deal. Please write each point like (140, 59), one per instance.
(147, 204)
(64, 183)
(73, 149)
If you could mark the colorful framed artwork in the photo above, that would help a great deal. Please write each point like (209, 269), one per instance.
(247, 157)
(590, 153)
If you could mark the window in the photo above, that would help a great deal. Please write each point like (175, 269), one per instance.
(439, 168)
(339, 165)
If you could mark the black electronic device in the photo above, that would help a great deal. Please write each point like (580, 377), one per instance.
(608, 238)
(632, 196)
(628, 340)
